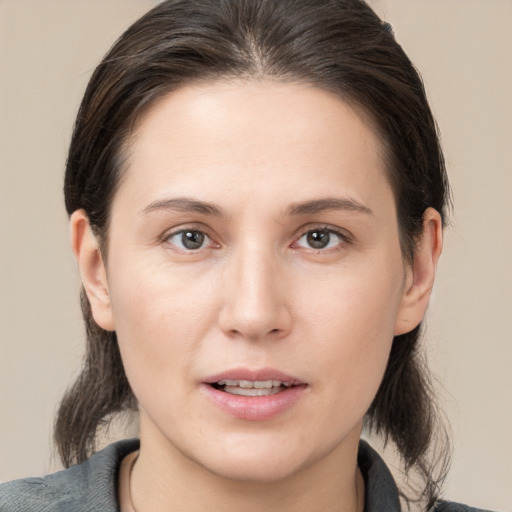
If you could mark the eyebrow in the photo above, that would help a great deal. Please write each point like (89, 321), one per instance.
(184, 204)
(327, 204)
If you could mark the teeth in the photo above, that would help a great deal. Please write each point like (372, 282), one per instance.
(236, 390)
(253, 384)
(228, 382)
(264, 384)
(253, 387)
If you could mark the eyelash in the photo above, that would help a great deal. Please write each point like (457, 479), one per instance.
(343, 238)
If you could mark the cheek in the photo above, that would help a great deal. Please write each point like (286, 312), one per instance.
(160, 320)
(352, 320)
(355, 303)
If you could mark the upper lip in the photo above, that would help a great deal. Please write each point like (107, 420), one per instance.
(257, 374)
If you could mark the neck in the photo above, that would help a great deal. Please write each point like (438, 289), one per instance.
(165, 479)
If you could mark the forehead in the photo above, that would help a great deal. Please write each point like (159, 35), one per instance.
(212, 138)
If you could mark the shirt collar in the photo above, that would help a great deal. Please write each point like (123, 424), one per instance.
(381, 492)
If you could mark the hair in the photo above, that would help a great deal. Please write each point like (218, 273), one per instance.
(337, 45)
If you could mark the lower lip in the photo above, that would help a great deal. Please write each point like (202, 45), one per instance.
(255, 408)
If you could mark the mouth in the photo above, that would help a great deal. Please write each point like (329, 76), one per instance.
(254, 395)
(251, 387)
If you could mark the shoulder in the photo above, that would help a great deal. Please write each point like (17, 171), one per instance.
(381, 492)
(89, 486)
(450, 506)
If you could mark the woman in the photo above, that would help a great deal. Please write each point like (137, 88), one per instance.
(256, 194)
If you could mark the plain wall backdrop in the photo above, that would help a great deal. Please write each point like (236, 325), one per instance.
(463, 48)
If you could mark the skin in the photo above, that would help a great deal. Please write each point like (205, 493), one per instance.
(256, 294)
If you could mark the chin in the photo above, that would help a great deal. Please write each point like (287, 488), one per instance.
(257, 470)
(258, 462)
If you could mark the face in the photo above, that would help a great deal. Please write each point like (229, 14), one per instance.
(254, 276)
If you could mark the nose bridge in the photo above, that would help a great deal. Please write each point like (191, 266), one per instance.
(255, 304)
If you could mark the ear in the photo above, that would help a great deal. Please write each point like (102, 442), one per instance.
(87, 253)
(420, 274)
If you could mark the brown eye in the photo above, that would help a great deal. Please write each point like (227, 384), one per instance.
(319, 239)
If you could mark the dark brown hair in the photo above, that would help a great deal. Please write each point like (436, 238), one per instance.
(338, 45)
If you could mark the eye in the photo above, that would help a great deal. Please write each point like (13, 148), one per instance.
(189, 239)
(320, 239)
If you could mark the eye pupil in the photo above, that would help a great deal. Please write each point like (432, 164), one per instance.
(192, 239)
(318, 239)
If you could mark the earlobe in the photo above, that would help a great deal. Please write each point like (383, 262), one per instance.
(86, 249)
(421, 273)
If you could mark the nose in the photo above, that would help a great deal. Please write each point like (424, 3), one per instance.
(256, 304)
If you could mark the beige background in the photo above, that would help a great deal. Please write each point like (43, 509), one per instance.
(48, 49)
